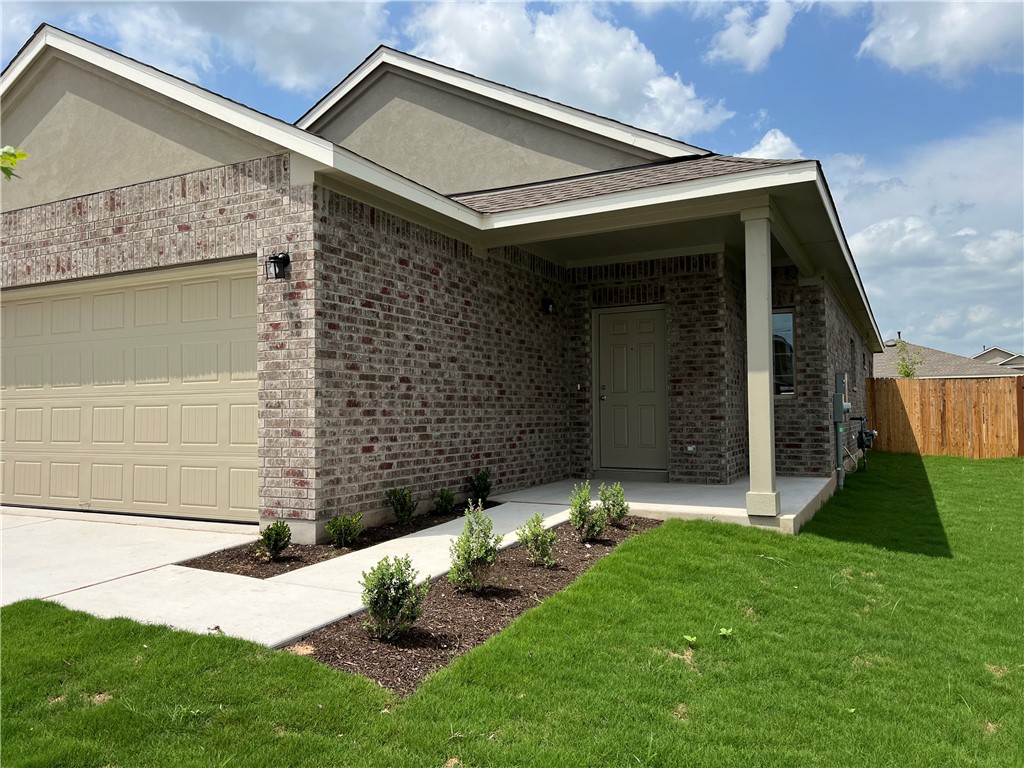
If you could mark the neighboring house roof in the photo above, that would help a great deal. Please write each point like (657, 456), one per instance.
(385, 58)
(1017, 362)
(608, 182)
(994, 355)
(935, 364)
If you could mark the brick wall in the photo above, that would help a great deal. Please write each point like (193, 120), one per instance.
(248, 208)
(804, 431)
(394, 355)
(699, 328)
(432, 361)
(736, 438)
(846, 352)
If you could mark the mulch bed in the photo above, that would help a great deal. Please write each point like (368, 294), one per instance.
(243, 560)
(453, 622)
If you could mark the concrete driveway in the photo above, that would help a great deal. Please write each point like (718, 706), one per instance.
(46, 554)
(117, 565)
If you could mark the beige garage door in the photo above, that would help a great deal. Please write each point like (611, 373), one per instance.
(133, 394)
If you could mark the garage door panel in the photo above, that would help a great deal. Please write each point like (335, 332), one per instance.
(29, 319)
(65, 316)
(134, 394)
(65, 483)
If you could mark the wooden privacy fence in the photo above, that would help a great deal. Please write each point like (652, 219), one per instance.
(973, 418)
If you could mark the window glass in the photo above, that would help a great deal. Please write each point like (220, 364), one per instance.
(782, 349)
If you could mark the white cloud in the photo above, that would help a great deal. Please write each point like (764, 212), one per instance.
(1003, 246)
(299, 47)
(947, 40)
(156, 35)
(19, 22)
(774, 145)
(574, 54)
(748, 42)
(980, 313)
(942, 231)
(943, 322)
(899, 237)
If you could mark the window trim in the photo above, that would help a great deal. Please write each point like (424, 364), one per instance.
(791, 311)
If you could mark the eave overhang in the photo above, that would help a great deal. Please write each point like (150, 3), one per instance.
(350, 173)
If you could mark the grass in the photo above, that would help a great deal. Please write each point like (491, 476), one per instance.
(888, 633)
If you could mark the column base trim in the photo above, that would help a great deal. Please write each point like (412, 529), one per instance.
(763, 503)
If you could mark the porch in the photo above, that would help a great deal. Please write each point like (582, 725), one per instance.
(799, 498)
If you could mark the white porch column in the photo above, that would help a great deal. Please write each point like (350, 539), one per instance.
(762, 498)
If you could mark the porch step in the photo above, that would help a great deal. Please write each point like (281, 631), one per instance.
(632, 475)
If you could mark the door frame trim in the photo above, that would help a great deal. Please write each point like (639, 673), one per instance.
(595, 371)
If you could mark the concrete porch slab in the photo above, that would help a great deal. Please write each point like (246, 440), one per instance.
(800, 498)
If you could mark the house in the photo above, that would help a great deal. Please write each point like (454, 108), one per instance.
(935, 364)
(212, 313)
(1001, 357)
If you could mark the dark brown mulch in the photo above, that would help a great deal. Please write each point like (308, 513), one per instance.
(243, 560)
(453, 622)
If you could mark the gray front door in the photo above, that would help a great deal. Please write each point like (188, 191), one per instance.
(631, 388)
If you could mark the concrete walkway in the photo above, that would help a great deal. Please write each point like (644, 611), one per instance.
(119, 565)
(122, 565)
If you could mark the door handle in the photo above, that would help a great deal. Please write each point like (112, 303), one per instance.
(604, 397)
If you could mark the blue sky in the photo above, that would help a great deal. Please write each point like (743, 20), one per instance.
(916, 110)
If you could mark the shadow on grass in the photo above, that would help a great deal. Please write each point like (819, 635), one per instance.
(891, 506)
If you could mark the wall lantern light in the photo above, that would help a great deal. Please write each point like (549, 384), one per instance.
(547, 306)
(276, 266)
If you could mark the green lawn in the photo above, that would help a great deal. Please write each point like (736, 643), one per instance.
(888, 633)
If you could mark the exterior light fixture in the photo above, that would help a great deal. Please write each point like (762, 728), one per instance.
(547, 306)
(276, 266)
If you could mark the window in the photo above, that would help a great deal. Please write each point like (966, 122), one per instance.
(782, 351)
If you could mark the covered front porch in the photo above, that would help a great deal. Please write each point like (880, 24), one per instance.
(799, 498)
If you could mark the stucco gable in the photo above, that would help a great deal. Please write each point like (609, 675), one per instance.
(86, 130)
(454, 132)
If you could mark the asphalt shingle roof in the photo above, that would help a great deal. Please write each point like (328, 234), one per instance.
(935, 364)
(608, 182)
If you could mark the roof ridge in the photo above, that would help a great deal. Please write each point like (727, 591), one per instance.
(500, 85)
(126, 57)
(579, 176)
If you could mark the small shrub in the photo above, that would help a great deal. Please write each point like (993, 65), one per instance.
(344, 529)
(474, 552)
(538, 541)
(479, 486)
(274, 539)
(444, 502)
(402, 504)
(613, 502)
(392, 599)
(588, 520)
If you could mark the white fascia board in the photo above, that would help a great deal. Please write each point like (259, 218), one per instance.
(384, 180)
(250, 121)
(595, 124)
(1006, 352)
(681, 191)
(833, 216)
